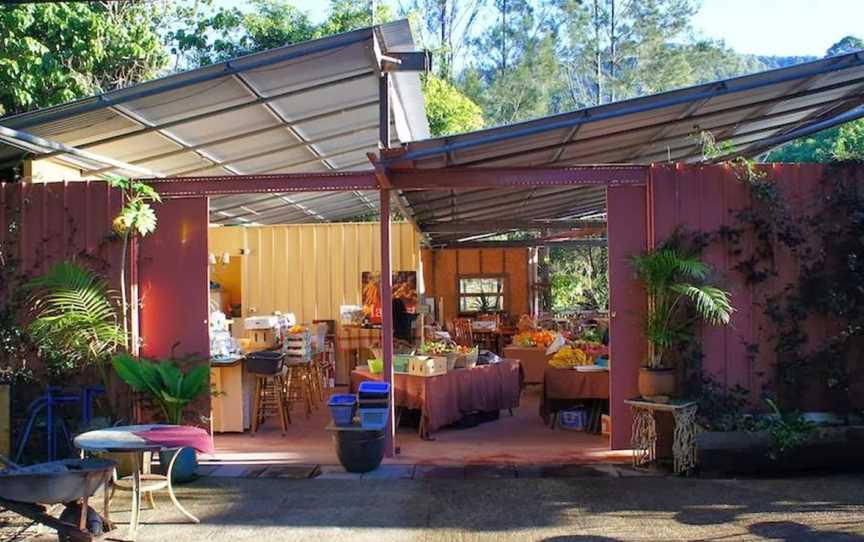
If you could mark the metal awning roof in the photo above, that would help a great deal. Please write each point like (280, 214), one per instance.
(752, 113)
(308, 107)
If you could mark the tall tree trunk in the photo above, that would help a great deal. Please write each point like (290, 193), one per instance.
(598, 60)
(612, 47)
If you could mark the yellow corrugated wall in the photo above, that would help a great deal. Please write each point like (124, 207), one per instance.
(311, 269)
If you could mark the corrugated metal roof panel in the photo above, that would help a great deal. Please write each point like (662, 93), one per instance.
(222, 119)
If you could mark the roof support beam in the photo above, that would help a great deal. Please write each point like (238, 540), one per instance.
(227, 185)
(456, 178)
(574, 243)
(482, 226)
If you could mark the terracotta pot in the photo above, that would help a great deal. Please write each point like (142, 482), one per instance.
(656, 382)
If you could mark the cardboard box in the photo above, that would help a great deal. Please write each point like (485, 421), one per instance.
(427, 365)
(605, 425)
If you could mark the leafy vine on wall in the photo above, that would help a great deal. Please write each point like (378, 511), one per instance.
(827, 292)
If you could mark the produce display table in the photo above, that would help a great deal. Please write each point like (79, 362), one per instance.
(564, 387)
(534, 361)
(444, 399)
(644, 437)
(350, 340)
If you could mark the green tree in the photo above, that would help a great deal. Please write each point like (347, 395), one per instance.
(616, 49)
(448, 110)
(844, 142)
(56, 52)
(444, 27)
(515, 70)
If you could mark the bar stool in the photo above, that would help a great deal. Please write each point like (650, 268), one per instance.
(270, 400)
(299, 387)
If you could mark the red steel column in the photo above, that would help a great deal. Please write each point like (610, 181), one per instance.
(387, 317)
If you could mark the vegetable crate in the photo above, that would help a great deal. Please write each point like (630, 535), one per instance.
(298, 347)
(427, 365)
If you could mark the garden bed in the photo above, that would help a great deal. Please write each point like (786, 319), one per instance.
(743, 452)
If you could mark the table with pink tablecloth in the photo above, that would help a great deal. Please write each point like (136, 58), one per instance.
(445, 399)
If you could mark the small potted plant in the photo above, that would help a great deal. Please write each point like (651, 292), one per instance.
(679, 295)
(172, 390)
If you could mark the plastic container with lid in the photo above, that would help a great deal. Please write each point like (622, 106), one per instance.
(342, 408)
(374, 390)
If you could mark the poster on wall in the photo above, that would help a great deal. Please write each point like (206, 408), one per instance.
(404, 288)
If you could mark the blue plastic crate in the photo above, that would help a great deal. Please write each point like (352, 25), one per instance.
(374, 390)
(373, 418)
(342, 408)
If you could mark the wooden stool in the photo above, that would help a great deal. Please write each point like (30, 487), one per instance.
(299, 387)
(269, 400)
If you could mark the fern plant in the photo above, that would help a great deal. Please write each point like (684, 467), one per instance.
(75, 317)
(679, 295)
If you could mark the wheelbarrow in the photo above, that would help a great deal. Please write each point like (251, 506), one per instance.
(28, 490)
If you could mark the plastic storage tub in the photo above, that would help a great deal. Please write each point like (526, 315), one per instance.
(373, 418)
(342, 408)
(266, 362)
(374, 390)
(574, 419)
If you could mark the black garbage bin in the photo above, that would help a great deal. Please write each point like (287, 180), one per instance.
(359, 450)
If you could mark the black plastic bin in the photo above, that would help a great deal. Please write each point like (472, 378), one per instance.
(359, 451)
(266, 362)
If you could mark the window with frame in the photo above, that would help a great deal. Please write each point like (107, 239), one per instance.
(478, 294)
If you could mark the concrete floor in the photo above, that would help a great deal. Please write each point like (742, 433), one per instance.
(568, 509)
(520, 439)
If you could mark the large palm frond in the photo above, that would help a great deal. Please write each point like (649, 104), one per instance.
(712, 304)
(74, 314)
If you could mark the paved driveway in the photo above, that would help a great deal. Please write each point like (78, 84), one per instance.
(602, 508)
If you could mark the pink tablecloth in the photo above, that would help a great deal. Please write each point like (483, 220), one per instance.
(444, 399)
(178, 437)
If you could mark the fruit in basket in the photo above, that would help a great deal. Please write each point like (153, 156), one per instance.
(297, 329)
(438, 348)
(568, 357)
(541, 338)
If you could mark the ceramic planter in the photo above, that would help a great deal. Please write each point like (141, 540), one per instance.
(185, 466)
(656, 382)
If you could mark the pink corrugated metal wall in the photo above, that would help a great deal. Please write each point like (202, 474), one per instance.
(626, 231)
(58, 221)
(707, 198)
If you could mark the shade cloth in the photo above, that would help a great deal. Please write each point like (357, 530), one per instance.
(444, 399)
(534, 361)
(563, 387)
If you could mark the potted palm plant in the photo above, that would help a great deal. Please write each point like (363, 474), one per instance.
(75, 320)
(172, 390)
(679, 296)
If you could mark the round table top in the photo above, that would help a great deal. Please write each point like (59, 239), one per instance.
(118, 439)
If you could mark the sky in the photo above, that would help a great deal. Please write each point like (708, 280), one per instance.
(762, 27)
